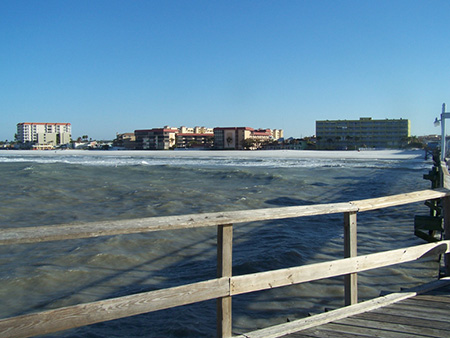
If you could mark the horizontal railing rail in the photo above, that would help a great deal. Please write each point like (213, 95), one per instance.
(226, 285)
(308, 273)
(149, 224)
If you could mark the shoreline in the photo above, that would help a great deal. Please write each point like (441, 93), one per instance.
(328, 154)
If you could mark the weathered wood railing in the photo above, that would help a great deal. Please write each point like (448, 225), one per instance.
(225, 285)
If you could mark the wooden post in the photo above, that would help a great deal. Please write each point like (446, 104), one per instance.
(224, 269)
(350, 250)
(446, 214)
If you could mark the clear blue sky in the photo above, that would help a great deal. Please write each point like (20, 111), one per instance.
(116, 66)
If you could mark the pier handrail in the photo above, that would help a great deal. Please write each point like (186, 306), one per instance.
(225, 285)
(149, 224)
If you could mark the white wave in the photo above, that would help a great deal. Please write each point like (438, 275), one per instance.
(272, 158)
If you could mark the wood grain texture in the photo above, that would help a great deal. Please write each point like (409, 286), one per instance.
(283, 277)
(224, 269)
(104, 310)
(400, 199)
(350, 250)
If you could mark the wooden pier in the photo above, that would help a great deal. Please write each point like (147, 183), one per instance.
(424, 315)
(225, 286)
(419, 312)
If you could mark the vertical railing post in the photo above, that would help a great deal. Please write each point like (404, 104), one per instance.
(446, 214)
(350, 250)
(224, 269)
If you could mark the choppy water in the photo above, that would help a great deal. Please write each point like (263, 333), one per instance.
(44, 188)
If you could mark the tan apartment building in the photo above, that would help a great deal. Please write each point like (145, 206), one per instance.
(365, 132)
(202, 137)
(195, 130)
(197, 137)
(195, 140)
(125, 140)
(169, 138)
(231, 137)
(156, 138)
(237, 137)
(260, 137)
(277, 134)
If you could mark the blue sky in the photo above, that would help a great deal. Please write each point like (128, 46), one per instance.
(116, 66)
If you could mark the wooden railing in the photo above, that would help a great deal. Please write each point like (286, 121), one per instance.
(225, 285)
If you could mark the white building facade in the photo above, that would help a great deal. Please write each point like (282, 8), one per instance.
(44, 133)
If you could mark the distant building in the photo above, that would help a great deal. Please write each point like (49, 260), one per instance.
(231, 137)
(243, 137)
(43, 135)
(156, 138)
(195, 130)
(365, 132)
(197, 137)
(125, 140)
(202, 137)
(277, 134)
(169, 138)
(290, 144)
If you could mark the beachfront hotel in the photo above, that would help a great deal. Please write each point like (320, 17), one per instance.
(231, 138)
(156, 138)
(43, 135)
(365, 132)
(203, 138)
(169, 138)
(236, 137)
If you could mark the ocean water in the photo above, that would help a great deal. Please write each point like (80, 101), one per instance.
(46, 188)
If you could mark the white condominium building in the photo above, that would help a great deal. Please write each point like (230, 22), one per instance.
(44, 133)
(277, 134)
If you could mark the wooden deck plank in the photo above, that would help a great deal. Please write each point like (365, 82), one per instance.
(419, 312)
(443, 294)
(427, 303)
(332, 329)
(389, 318)
(326, 317)
(391, 326)
(424, 315)
(441, 299)
(411, 313)
(324, 334)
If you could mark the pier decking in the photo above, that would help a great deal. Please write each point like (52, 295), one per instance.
(409, 314)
